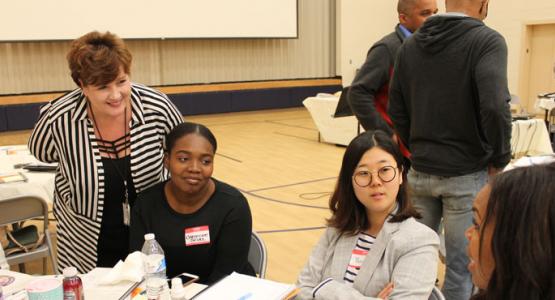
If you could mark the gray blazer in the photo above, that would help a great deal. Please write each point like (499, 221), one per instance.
(404, 253)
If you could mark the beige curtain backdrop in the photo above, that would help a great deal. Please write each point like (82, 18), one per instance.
(32, 67)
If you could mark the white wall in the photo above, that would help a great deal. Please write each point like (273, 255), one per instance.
(363, 22)
(360, 24)
(509, 17)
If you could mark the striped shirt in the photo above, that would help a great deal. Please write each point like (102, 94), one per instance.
(65, 134)
(363, 246)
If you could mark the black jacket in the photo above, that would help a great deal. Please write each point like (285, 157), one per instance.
(449, 97)
(370, 86)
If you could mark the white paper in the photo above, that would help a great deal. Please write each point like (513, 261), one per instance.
(15, 281)
(239, 286)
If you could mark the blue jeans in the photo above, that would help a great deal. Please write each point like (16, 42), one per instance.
(435, 197)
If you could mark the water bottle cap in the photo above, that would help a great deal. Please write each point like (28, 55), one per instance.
(149, 236)
(70, 272)
(178, 291)
(177, 284)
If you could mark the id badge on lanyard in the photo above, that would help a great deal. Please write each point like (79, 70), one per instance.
(126, 208)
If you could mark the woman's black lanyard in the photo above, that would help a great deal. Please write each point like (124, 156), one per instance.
(123, 174)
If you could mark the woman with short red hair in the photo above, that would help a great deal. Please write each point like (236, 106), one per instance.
(107, 137)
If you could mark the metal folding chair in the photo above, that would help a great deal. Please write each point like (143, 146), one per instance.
(23, 208)
(257, 255)
(436, 294)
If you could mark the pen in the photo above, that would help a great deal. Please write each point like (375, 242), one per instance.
(19, 166)
(20, 294)
(130, 290)
(245, 296)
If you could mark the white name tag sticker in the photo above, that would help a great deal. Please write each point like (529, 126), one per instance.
(199, 235)
(357, 258)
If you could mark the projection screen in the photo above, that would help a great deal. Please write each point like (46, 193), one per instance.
(39, 20)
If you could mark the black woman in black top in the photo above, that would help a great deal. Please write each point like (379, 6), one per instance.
(203, 225)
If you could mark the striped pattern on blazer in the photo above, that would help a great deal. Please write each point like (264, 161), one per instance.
(404, 253)
(64, 134)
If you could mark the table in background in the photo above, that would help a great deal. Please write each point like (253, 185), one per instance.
(529, 161)
(530, 138)
(332, 130)
(38, 183)
(547, 104)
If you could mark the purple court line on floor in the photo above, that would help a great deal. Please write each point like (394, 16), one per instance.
(295, 136)
(291, 229)
(229, 157)
(289, 125)
(282, 201)
(291, 184)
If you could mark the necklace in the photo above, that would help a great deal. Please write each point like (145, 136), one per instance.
(113, 150)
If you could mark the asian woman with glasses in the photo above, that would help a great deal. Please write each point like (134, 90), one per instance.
(373, 248)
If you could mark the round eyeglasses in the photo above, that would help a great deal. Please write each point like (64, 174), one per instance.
(385, 174)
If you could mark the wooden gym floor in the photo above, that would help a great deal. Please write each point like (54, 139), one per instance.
(275, 159)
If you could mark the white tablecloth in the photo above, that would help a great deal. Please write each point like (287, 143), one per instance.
(38, 184)
(332, 130)
(92, 291)
(530, 138)
(545, 103)
(528, 161)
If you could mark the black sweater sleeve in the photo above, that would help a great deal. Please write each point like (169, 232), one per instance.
(494, 97)
(371, 77)
(233, 245)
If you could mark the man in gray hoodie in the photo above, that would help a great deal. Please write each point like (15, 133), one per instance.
(449, 104)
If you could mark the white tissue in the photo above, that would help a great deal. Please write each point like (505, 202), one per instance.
(130, 270)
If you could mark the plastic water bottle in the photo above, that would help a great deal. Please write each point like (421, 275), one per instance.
(154, 260)
(156, 289)
(178, 291)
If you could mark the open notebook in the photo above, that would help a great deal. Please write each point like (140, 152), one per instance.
(243, 287)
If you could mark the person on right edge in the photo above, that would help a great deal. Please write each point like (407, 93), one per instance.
(449, 105)
(512, 239)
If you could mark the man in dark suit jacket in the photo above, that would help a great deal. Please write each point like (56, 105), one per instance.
(368, 95)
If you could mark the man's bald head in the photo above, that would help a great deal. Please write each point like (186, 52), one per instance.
(404, 6)
(413, 13)
(473, 8)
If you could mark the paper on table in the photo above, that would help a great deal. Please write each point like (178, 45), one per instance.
(239, 286)
(13, 282)
(14, 150)
(12, 176)
(192, 289)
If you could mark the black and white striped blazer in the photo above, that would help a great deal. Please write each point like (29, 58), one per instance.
(64, 134)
